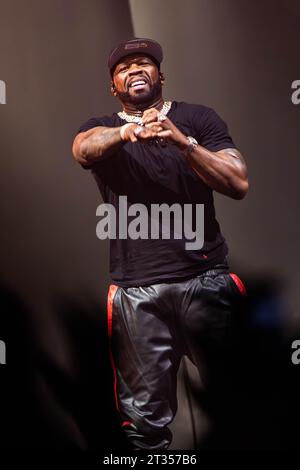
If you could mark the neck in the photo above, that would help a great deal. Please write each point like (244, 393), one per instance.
(137, 110)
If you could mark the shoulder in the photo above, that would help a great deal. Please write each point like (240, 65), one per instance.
(105, 121)
(183, 106)
(210, 130)
(194, 112)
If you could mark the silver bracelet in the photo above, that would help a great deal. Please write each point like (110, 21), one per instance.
(191, 146)
(123, 129)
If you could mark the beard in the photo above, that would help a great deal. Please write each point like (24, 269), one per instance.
(143, 98)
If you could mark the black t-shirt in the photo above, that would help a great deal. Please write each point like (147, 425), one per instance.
(153, 173)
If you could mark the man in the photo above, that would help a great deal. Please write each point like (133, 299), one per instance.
(165, 300)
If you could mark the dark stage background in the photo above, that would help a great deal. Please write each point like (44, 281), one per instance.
(236, 56)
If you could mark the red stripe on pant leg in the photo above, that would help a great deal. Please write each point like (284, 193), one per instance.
(110, 298)
(126, 423)
(239, 284)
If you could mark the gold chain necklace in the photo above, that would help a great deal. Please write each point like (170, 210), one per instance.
(138, 119)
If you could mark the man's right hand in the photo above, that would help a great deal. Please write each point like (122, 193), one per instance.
(131, 132)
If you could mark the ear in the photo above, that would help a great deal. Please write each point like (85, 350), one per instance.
(113, 88)
(162, 78)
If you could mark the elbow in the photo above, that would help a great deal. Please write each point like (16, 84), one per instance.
(80, 149)
(88, 154)
(240, 190)
(83, 150)
(79, 152)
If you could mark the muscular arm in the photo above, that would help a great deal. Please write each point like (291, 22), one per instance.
(94, 144)
(100, 142)
(224, 171)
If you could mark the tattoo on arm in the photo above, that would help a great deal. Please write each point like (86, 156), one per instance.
(101, 144)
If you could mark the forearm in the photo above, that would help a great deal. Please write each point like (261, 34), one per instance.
(222, 171)
(100, 143)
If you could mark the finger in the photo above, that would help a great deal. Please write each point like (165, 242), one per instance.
(138, 130)
(154, 126)
(164, 134)
(149, 111)
(149, 119)
(133, 138)
(164, 124)
(150, 115)
(147, 135)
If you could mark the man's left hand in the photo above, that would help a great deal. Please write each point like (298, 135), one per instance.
(169, 131)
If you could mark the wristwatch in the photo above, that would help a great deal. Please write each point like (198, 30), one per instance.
(191, 146)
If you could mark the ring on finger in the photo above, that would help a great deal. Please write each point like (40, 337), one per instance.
(138, 130)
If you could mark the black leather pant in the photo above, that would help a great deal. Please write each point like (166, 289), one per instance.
(150, 329)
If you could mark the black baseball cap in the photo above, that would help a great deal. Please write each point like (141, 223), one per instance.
(133, 46)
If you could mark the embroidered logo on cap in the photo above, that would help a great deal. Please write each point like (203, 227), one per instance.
(136, 45)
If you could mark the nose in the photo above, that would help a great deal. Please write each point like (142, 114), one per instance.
(133, 69)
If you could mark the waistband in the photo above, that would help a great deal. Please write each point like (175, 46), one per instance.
(217, 269)
(220, 268)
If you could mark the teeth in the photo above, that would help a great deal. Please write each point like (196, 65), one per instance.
(139, 82)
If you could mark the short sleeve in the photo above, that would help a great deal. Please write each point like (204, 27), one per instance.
(213, 132)
(104, 121)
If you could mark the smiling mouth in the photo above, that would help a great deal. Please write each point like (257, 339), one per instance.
(138, 84)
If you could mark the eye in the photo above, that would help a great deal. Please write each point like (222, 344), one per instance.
(122, 69)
